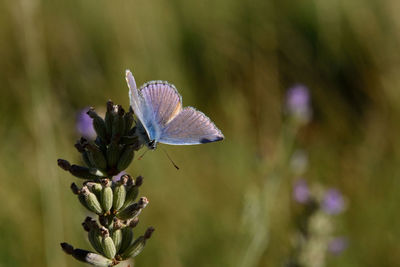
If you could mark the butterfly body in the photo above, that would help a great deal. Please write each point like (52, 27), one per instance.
(158, 107)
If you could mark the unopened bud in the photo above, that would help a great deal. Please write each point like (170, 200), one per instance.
(126, 158)
(133, 210)
(107, 196)
(65, 165)
(89, 200)
(75, 189)
(98, 124)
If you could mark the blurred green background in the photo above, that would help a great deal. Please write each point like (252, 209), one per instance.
(233, 60)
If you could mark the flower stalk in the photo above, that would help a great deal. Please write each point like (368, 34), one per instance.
(114, 202)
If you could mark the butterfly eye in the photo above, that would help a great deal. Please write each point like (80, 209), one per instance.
(152, 144)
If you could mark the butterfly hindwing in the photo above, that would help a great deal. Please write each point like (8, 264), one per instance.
(190, 127)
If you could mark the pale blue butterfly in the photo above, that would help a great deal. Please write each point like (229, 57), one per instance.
(158, 107)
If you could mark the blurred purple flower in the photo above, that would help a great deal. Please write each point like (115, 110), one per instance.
(298, 102)
(333, 202)
(301, 192)
(84, 124)
(299, 162)
(338, 245)
(117, 177)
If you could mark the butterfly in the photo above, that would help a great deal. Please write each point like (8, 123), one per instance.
(161, 118)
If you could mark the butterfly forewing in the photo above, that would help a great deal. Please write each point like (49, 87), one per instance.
(190, 127)
(163, 99)
(163, 103)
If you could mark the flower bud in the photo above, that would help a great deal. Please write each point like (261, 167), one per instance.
(133, 210)
(132, 223)
(108, 244)
(86, 256)
(133, 190)
(84, 172)
(95, 188)
(137, 246)
(106, 196)
(96, 156)
(106, 220)
(118, 126)
(95, 239)
(113, 151)
(89, 200)
(130, 140)
(75, 189)
(127, 238)
(119, 195)
(128, 117)
(109, 118)
(126, 158)
(117, 238)
(98, 124)
(64, 164)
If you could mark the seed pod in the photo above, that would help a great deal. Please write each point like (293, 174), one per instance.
(113, 151)
(108, 246)
(127, 238)
(89, 200)
(137, 246)
(125, 158)
(119, 196)
(96, 156)
(117, 238)
(133, 210)
(98, 124)
(106, 196)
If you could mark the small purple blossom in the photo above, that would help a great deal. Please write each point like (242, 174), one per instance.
(333, 202)
(117, 177)
(84, 124)
(301, 192)
(337, 245)
(298, 102)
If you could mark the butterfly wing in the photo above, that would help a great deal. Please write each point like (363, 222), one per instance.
(190, 127)
(163, 103)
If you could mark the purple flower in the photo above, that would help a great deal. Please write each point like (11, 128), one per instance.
(298, 102)
(333, 202)
(84, 124)
(338, 245)
(117, 177)
(301, 192)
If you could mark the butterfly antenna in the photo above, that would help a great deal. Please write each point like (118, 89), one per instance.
(173, 163)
